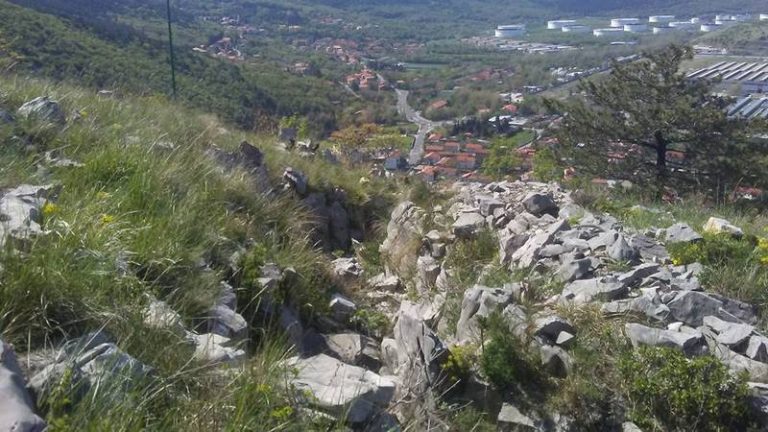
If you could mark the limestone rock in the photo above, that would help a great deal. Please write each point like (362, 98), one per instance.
(511, 419)
(587, 290)
(342, 389)
(691, 307)
(16, 405)
(212, 349)
(688, 343)
(468, 225)
(356, 349)
(341, 307)
(479, 302)
(43, 109)
(539, 204)
(681, 232)
(719, 226)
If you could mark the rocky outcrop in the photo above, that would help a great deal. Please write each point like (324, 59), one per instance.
(43, 109)
(404, 236)
(343, 390)
(17, 409)
(21, 211)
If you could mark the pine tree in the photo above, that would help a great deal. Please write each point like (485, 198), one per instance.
(646, 122)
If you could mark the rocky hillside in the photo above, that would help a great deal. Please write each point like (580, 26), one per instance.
(161, 271)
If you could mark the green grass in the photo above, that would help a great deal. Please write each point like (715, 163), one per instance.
(150, 213)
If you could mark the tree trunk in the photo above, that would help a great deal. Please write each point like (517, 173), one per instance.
(661, 163)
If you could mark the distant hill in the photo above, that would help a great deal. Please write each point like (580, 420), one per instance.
(80, 41)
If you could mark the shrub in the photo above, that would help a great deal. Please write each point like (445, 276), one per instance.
(458, 364)
(669, 391)
(714, 249)
(504, 359)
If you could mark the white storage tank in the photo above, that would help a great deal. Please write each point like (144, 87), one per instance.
(608, 32)
(510, 31)
(661, 19)
(663, 30)
(620, 22)
(635, 28)
(710, 27)
(763, 17)
(576, 29)
(682, 25)
(558, 24)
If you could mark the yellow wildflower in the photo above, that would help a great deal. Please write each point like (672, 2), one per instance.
(677, 261)
(282, 414)
(263, 388)
(762, 243)
(764, 260)
(49, 209)
(107, 219)
(103, 195)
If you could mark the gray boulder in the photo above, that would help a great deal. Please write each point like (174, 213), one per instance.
(214, 349)
(539, 204)
(295, 180)
(587, 290)
(16, 405)
(649, 249)
(416, 352)
(21, 211)
(621, 250)
(479, 302)
(468, 225)
(341, 389)
(572, 270)
(737, 363)
(382, 282)
(639, 273)
(528, 254)
(757, 349)
(690, 344)
(511, 419)
(681, 232)
(43, 109)
(550, 326)
(405, 228)
(223, 321)
(488, 205)
(346, 270)
(721, 226)
(691, 307)
(342, 308)
(729, 334)
(158, 314)
(356, 349)
(555, 360)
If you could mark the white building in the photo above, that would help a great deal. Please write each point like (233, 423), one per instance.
(661, 19)
(620, 22)
(608, 32)
(510, 31)
(710, 27)
(558, 24)
(636, 28)
(763, 17)
(576, 29)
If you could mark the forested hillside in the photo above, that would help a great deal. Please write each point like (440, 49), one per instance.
(97, 51)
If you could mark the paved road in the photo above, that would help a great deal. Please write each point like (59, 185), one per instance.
(425, 126)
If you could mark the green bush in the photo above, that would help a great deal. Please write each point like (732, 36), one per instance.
(668, 391)
(504, 359)
(713, 249)
(458, 364)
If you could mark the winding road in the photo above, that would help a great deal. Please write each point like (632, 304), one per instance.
(425, 126)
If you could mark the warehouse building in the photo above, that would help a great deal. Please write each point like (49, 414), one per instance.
(753, 77)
